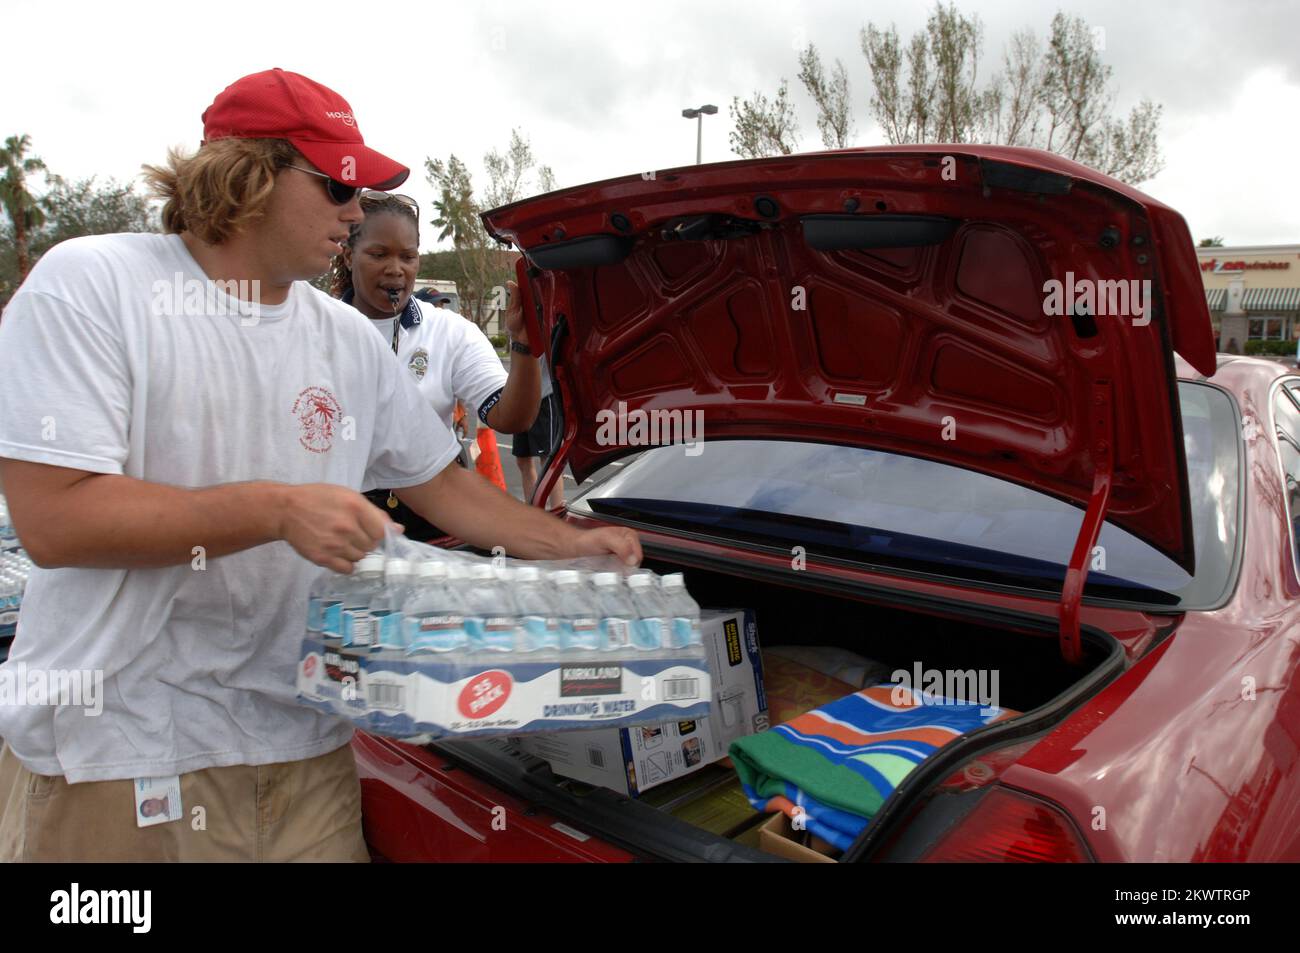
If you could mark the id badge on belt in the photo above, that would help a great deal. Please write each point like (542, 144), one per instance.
(157, 800)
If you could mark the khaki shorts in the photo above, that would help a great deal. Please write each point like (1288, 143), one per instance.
(296, 811)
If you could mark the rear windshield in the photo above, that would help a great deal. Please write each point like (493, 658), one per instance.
(909, 514)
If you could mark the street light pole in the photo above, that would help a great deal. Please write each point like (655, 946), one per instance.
(698, 115)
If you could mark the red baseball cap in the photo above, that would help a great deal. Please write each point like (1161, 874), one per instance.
(277, 104)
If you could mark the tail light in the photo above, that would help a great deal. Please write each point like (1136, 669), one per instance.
(1008, 827)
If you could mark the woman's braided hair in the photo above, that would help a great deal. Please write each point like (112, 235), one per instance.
(375, 203)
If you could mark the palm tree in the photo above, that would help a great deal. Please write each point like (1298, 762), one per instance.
(23, 208)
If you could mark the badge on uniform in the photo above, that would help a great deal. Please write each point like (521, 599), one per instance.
(419, 363)
(157, 800)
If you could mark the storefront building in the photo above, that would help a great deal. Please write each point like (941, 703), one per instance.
(1253, 293)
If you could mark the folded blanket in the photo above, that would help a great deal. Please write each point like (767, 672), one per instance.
(837, 764)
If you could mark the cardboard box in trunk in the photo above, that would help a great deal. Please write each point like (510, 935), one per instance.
(632, 760)
(778, 836)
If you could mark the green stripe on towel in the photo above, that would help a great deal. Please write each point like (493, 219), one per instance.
(766, 761)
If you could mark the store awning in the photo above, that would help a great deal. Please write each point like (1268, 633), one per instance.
(1271, 299)
(1216, 298)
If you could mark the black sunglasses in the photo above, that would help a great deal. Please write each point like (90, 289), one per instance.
(339, 193)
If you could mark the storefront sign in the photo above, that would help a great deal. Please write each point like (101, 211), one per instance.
(1215, 265)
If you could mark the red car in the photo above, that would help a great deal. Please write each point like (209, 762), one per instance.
(961, 409)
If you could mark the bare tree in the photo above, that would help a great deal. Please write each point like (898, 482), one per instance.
(904, 110)
(1013, 107)
(954, 45)
(1074, 86)
(458, 219)
(940, 101)
(482, 266)
(506, 172)
(1127, 150)
(884, 62)
(763, 128)
(834, 121)
(1076, 95)
(1056, 98)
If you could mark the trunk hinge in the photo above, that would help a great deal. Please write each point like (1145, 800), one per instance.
(554, 471)
(1103, 461)
(531, 304)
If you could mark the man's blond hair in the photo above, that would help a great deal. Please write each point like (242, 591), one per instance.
(220, 189)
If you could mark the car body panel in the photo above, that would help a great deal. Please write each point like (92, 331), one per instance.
(416, 807)
(1192, 754)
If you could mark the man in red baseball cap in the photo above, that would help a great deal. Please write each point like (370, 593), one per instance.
(187, 425)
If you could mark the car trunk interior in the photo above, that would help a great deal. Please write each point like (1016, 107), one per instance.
(704, 815)
(1031, 669)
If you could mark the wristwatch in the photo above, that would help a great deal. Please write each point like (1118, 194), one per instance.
(520, 348)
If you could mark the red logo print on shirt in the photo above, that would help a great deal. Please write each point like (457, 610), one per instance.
(318, 413)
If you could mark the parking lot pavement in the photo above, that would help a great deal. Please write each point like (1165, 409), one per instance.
(508, 466)
(511, 470)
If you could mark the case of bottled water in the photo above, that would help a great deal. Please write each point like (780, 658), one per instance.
(15, 567)
(419, 640)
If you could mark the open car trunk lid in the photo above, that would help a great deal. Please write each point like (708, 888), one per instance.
(899, 298)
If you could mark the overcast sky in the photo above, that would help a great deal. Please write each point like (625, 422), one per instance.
(599, 87)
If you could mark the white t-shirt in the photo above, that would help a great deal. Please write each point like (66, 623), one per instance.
(385, 327)
(100, 370)
(451, 359)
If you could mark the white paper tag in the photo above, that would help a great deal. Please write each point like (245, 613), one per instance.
(157, 800)
(858, 400)
(566, 829)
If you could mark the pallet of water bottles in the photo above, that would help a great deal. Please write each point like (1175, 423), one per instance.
(15, 567)
(422, 641)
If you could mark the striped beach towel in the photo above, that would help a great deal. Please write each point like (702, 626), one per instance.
(837, 764)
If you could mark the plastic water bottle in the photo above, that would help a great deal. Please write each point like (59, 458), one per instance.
(538, 618)
(385, 608)
(684, 612)
(355, 625)
(576, 606)
(323, 596)
(650, 630)
(433, 616)
(617, 613)
(491, 620)
(8, 536)
(9, 604)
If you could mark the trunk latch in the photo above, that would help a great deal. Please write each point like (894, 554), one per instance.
(1103, 459)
